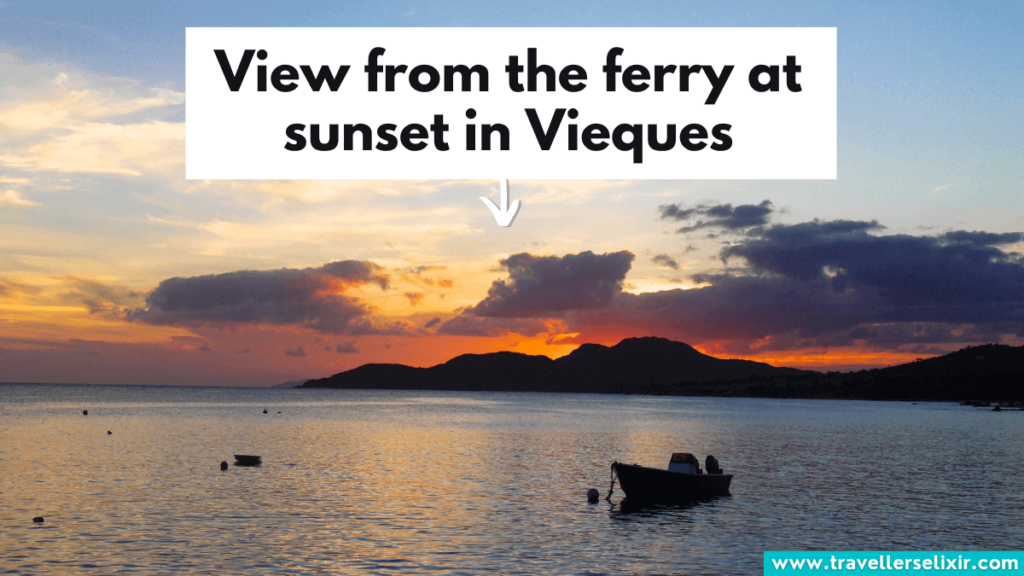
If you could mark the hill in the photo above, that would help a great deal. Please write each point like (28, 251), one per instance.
(635, 365)
(988, 373)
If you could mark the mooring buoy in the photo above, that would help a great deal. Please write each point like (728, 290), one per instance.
(85, 412)
(223, 465)
(593, 495)
(109, 432)
(38, 519)
(264, 410)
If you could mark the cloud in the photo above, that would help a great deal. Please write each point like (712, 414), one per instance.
(818, 283)
(552, 284)
(62, 120)
(132, 150)
(346, 348)
(666, 261)
(312, 297)
(433, 322)
(414, 297)
(11, 288)
(940, 189)
(719, 215)
(981, 238)
(957, 276)
(12, 197)
(466, 324)
(98, 297)
(298, 351)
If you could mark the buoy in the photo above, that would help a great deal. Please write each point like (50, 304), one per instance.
(85, 412)
(223, 465)
(38, 519)
(593, 495)
(264, 410)
(109, 432)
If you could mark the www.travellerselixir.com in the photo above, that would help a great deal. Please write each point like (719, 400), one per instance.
(865, 561)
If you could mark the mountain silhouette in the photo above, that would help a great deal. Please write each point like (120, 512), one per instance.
(976, 374)
(635, 364)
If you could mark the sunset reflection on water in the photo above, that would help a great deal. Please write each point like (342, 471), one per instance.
(374, 482)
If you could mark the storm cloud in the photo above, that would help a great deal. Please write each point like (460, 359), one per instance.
(718, 215)
(311, 297)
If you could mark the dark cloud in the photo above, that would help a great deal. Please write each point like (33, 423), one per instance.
(817, 283)
(718, 215)
(346, 348)
(982, 238)
(666, 261)
(311, 297)
(467, 324)
(297, 351)
(552, 284)
(433, 322)
(922, 278)
(414, 297)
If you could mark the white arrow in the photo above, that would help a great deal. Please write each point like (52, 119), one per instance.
(506, 214)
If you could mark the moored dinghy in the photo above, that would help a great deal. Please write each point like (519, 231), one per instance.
(682, 482)
(246, 460)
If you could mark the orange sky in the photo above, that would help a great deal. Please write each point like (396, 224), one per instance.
(96, 217)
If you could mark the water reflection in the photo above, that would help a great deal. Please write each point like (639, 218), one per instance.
(375, 482)
(628, 511)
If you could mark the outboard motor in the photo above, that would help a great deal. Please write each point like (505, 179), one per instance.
(711, 464)
(684, 462)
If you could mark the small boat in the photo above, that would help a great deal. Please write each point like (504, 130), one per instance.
(244, 460)
(684, 481)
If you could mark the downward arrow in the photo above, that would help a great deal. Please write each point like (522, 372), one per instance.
(504, 215)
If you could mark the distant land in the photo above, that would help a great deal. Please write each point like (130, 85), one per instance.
(634, 365)
(656, 366)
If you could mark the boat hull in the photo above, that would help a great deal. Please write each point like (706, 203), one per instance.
(643, 484)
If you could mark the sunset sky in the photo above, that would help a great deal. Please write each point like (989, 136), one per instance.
(116, 269)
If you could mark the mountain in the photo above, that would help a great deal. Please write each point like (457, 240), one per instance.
(989, 373)
(635, 365)
(976, 374)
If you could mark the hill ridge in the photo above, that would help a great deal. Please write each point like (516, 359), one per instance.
(590, 368)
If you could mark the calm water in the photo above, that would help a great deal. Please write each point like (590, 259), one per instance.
(412, 482)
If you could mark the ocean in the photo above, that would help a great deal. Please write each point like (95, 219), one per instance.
(386, 482)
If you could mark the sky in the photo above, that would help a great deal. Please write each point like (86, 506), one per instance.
(116, 269)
